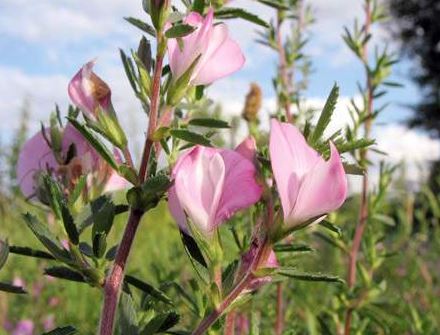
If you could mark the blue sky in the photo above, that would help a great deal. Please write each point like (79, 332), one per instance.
(44, 42)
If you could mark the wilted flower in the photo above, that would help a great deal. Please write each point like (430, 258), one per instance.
(252, 103)
(270, 262)
(211, 184)
(77, 158)
(88, 91)
(308, 185)
(219, 54)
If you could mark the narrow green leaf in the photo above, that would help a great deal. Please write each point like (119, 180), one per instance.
(160, 323)
(209, 123)
(353, 169)
(66, 273)
(193, 249)
(148, 289)
(25, 251)
(179, 30)
(5, 287)
(46, 237)
(4, 252)
(79, 187)
(190, 137)
(326, 114)
(330, 226)
(144, 26)
(95, 143)
(308, 276)
(292, 247)
(129, 70)
(198, 6)
(67, 330)
(232, 13)
(99, 244)
(127, 316)
(69, 224)
(274, 4)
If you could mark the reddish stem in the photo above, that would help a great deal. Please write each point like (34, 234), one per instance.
(363, 213)
(230, 324)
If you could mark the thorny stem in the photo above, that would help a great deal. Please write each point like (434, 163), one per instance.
(112, 286)
(363, 215)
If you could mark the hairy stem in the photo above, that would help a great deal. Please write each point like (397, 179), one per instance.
(363, 213)
(114, 281)
(279, 325)
(230, 324)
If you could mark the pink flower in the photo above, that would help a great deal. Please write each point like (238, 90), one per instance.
(24, 327)
(36, 157)
(220, 55)
(211, 184)
(88, 91)
(308, 185)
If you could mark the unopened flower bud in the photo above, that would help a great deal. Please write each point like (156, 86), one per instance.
(252, 103)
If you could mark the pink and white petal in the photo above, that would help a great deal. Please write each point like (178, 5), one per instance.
(80, 89)
(115, 183)
(35, 156)
(240, 189)
(247, 148)
(194, 19)
(291, 159)
(176, 210)
(216, 172)
(226, 60)
(324, 189)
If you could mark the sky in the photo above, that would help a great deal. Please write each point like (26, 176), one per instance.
(43, 43)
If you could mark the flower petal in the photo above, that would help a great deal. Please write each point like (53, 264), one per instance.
(222, 58)
(240, 189)
(81, 91)
(324, 189)
(291, 159)
(247, 148)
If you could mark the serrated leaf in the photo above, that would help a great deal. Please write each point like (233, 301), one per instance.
(232, 13)
(148, 289)
(326, 115)
(179, 30)
(128, 322)
(190, 137)
(6, 287)
(95, 143)
(274, 4)
(103, 214)
(144, 26)
(67, 330)
(129, 70)
(69, 224)
(208, 123)
(309, 276)
(160, 323)
(330, 226)
(4, 252)
(99, 244)
(65, 273)
(46, 237)
(292, 247)
(25, 251)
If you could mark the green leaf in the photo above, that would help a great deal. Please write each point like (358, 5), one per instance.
(160, 323)
(66, 273)
(103, 214)
(99, 244)
(148, 289)
(129, 70)
(69, 224)
(145, 27)
(46, 238)
(209, 123)
(5, 287)
(292, 247)
(179, 30)
(67, 330)
(326, 114)
(354, 169)
(148, 195)
(330, 226)
(79, 187)
(95, 143)
(4, 252)
(25, 251)
(232, 13)
(193, 249)
(274, 4)
(308, 276)
(190, 137)
(128, 322)
(198, 6)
